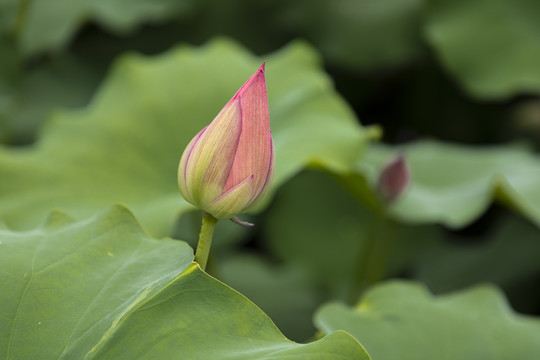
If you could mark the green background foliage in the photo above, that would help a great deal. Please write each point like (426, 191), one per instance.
(477, 324)
(99, 98)
(116, 151)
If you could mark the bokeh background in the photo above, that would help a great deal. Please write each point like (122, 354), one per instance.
(453, 84)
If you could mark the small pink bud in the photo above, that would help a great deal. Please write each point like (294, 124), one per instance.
(227, 168)
(394, 179)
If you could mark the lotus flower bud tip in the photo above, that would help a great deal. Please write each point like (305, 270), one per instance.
(228, 166)
(394, 179)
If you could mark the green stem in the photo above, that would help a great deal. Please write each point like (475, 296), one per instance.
(381, 253)
(373, 256)
(205, 239)
(359, 281)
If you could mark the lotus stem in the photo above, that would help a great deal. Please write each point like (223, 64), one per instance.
(205, 240)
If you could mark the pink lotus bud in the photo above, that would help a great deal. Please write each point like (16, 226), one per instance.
(394, 179)
(228, 166)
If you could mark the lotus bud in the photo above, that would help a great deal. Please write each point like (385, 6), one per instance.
(228, 166)
(394, 179)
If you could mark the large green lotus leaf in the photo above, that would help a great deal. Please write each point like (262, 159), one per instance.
(454, 184)
(490, 46)
(103, 289)
(283, 291)
(49, 25)
(358, 34)
(125, 146)
(316, 224)
(400, 320)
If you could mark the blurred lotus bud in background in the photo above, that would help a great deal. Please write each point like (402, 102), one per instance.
(394, 179)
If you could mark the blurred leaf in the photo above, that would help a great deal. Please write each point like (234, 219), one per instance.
(506, 257)
(315, 224)
(50, 25)
(36, 93)
(125, 146)
(525, 120)
(359, 34)
(9, 66)
(285, 293)
(454, 184)
(9, 62)
(8, 16)
(252, 23)
(403, 321)
(490, 46)
(342, 30)
(102, 289)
